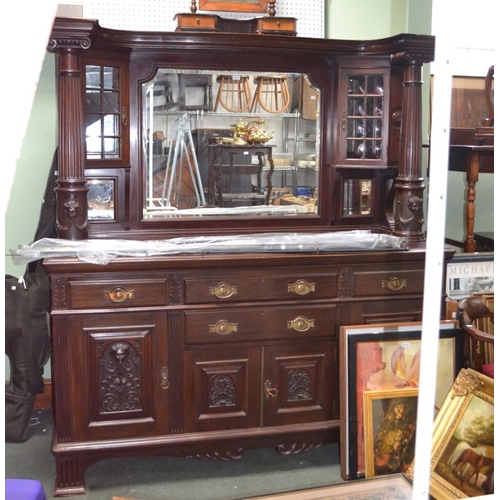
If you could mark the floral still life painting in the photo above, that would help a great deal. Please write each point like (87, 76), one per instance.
(390, 430)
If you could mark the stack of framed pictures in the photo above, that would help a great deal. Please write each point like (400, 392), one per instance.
(379, 375)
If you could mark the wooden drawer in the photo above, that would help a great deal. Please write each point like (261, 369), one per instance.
(400, 282)
(252, 288)
(139, 293)
(278, 25)
(258, 324)
(202, 22)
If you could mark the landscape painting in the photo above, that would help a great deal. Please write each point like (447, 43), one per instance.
(462, 461)
(467, 461)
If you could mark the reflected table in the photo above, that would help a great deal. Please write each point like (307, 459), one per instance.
(217, 168)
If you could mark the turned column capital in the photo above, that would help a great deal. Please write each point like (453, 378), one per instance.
(412, 58)
(70, 34)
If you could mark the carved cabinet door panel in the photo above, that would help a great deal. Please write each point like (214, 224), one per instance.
(299, 383)
(222, 388)
(116, 376)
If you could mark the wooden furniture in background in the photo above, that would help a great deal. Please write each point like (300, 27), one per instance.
(234, 6)
(476, 317)
(472, 152)
(473, 160)
(217, 169)
(261, 24)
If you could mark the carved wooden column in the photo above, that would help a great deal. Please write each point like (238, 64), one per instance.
(71, 190)
(409, 184)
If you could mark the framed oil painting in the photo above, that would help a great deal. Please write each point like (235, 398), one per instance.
(234, 5)
(384, 357)
(463, 449)
(390, 419)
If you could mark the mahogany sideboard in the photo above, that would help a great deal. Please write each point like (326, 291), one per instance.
(208, 355)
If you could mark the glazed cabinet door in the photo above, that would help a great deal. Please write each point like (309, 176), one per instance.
(298, 383)
(107, 139)
(115, 373)
(364, 125)
(107, 115)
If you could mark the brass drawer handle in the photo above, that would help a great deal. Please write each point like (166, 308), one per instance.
(300, 324)
(301, 287)
(394, 283)
(119, 294)
(165, 383)
(269, 390)
(223, 327)
(223, 290)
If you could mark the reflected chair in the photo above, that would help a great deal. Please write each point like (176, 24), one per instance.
(476, 319)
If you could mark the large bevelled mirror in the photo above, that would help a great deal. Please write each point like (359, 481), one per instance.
(227, 144)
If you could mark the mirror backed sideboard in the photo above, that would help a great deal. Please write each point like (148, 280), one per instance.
(188, 134)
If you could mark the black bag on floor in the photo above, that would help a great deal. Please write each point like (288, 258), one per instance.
(27, 327)
(18, 410)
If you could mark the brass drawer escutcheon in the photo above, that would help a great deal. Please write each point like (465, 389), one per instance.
(394, 283)
(301, 287)
(223, 327)
(165, 382)
(119, 294)
(300, 324)
(223, 291)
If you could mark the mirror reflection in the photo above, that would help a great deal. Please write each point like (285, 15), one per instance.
(357, 197)
(101, 199)
(230, 144)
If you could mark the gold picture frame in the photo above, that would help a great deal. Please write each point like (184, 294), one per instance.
(234, 6)
(463, 440)
(390, 419)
